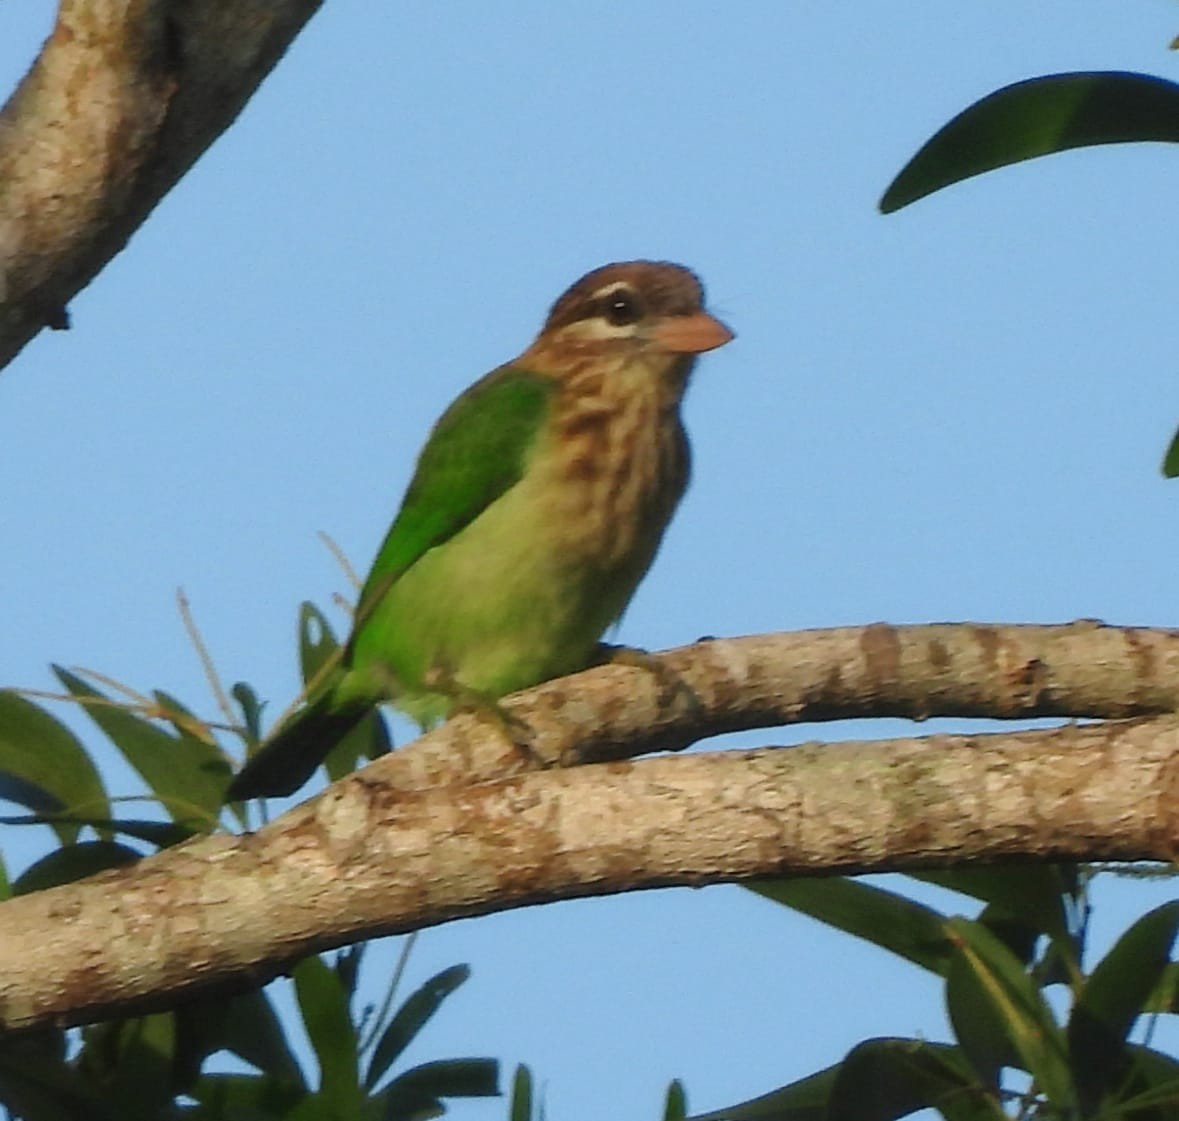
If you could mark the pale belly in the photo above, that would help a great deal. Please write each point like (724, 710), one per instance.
(505, 604)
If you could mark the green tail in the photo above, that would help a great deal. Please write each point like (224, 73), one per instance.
(289, 756)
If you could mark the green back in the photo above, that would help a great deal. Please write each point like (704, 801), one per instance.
(478, 449)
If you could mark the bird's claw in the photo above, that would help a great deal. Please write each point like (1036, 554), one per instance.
(517, 731)
(671, 685)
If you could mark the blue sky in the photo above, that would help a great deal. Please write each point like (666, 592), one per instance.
(956, 412)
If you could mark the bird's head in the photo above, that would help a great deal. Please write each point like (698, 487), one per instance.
(651, 312)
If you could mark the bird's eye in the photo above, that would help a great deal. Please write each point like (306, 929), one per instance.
(622, 308)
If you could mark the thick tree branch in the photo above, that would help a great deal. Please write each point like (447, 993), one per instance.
(998, 671)
(123, 99)
(375, 855)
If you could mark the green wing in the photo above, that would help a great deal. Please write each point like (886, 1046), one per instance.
(477, 450)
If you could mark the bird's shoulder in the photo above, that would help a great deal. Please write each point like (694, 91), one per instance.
(478, 449)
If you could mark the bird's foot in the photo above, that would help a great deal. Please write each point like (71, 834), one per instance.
(671, 686)
(463, 698)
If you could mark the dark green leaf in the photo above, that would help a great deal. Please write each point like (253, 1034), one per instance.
(1112, 1000)
(347, 967)
(241, 1097)
(1036, 118)
(73, 862)
(162, 834)
(251, 707)
(45, 754)
(979, 1028)
(1171, 459)
(911, 930)
(521, 1107)
(426, 1085)
(187, 774)
(886, 1079)
(323, 1005)
(254, 1033)
(675, 1107)
(38, 1084)
(1033, 893)
(1164, 997)
(411, 1017)
(804, 1100)
(1018, 1003)
(1151, 1088)
(132, 1060)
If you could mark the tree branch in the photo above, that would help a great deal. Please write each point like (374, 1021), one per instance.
(376, 855)
(123, 99)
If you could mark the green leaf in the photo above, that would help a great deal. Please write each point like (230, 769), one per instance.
(979, 1027)
(1151, 1089)
(186, 773)
(1034, 893)
(675, 1106)
(318, 645)
(411, 1017)
(37, 1083)
(132, 1060)
(251, 707)
(1017, 1001)
(254, 1033)
(323, 1004)
(521, 1107)
(804, 1100)
(73, 862)
(162, 834)
(1036, 118)
(242, 1097)
(885, 1079)
(424, 1087)
(1170, 467)
(1112, 1000)
(1164, 997)
(908, 929)
(44, 753)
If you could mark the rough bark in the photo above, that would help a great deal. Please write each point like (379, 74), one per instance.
(124, 97)
(441, 829)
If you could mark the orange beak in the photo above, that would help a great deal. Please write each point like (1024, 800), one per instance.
(691, 334)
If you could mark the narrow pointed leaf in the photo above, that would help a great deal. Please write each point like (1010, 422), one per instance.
(675, 1106)
(908, 929)
(1164, 997)
(188, 775)
(448, 1078)
(979, 1027)
(323, 1005)
(162, 834)
(804, 1100)
(411, 1017)
(251, 706)
(1151, 1087)
(886, 1079)
(1034, 893)
(1170, 466)
(1034, 1033)
(1036, 118)
(43, 752)
(1112, 1000)
(242, 1097)
(521, 1107)
(73, 862)
(254, 1033)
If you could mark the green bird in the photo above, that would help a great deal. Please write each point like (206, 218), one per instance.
(537, 506)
